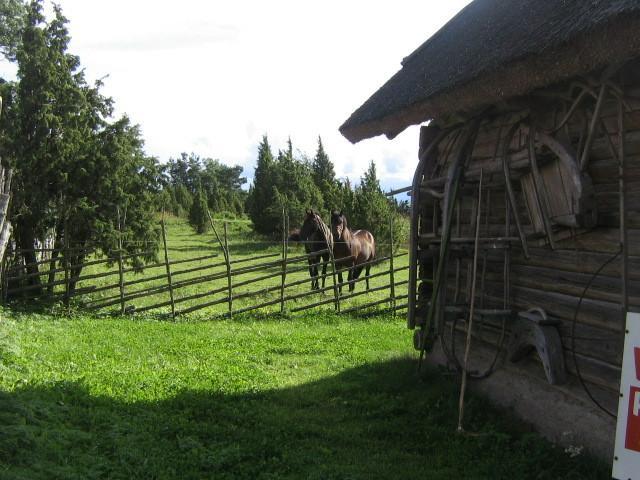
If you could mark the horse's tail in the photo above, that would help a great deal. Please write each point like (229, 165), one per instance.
(373, 245)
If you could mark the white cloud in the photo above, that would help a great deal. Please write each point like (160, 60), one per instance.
(213, 77)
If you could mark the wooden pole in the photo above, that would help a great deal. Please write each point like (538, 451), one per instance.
(120, 266)
(66, 264)
(284, 260)
(391, 269)
(336, 294)
(168, 267)
(228, 259)
(4, 281)
(471, 310)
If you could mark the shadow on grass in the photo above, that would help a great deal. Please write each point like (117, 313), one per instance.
(375, 421)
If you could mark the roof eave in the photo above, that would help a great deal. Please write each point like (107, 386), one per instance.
(614, 43)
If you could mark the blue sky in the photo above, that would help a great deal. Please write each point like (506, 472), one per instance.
(212, 77)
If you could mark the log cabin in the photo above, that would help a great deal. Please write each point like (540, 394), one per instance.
(525, 219)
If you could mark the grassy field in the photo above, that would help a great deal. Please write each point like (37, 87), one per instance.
(315, 397)
(184, 245)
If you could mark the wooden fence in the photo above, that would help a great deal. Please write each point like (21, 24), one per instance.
(217, 281)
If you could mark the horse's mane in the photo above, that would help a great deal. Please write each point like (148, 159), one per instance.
(324, 229)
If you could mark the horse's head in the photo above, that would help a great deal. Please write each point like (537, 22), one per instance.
(338, 225)
(309, 226)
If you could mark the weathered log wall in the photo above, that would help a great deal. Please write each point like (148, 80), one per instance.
(558, 266)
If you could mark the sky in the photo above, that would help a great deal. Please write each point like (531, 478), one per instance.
(212, 77)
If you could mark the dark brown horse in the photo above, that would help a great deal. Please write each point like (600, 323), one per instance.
(351, 249)
(317, 237)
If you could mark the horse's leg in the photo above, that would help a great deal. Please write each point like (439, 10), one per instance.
(311, 273)
(352, 286)
(315, 276)
(356, 275)
(340, 281)
(366, 275)
(324, 271)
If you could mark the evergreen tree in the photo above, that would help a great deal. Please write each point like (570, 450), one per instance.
(261, 192)
(198, 218)
(74, 169)
(372, 210)
(324, 177)
(322, 166)
(285, 183)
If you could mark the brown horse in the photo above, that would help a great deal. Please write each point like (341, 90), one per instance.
(351, 249)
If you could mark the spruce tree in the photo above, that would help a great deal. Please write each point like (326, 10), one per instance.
(371, 208)
(324, 176)
(261, 192)
(198, 218)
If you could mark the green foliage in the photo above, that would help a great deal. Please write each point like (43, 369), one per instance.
(12, 15)
(321, 397)
(221, 184)
(198, 217)
(373, 211)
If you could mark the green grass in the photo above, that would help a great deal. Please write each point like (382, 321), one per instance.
(315, 397)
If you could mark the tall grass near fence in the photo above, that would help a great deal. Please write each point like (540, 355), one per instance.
(228, 270)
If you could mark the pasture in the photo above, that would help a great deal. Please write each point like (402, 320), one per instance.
(261, 395)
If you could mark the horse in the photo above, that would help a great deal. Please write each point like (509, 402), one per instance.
(351, 249)
(317, 237)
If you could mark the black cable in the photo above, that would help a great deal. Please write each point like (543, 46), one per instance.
(573, 335)
(454, 357)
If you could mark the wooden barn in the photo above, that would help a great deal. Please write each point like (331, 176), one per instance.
(525, 202)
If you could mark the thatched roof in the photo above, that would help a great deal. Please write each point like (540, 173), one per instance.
(498, 49)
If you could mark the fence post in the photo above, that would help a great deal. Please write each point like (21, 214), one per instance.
(120, 266)
(391, 268)
(336, 294)
(4, 280)
(66, 264)
(285, 248)
(228, 261)
(225, 251)
(168, 268)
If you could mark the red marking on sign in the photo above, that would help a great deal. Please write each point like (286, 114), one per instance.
(632, 440)
(637, 354)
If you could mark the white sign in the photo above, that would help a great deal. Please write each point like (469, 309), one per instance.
(626, 459)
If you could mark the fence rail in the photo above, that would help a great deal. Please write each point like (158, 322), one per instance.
(199, 282)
